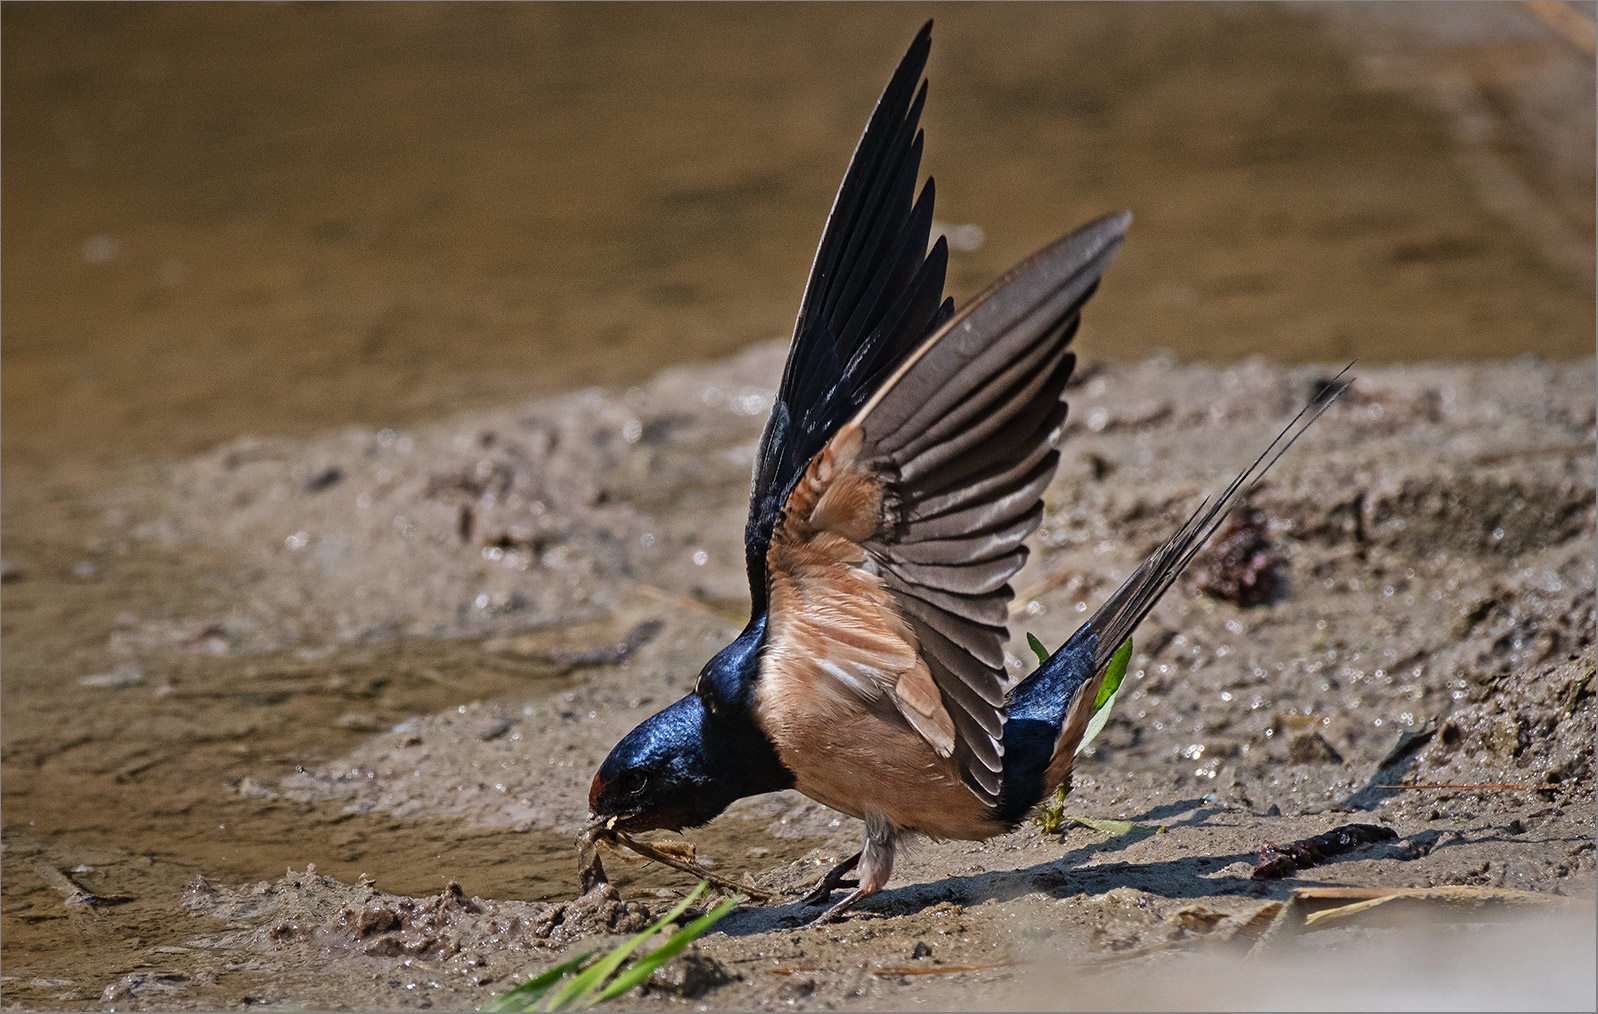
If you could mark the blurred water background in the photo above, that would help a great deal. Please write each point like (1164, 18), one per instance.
(278, 218)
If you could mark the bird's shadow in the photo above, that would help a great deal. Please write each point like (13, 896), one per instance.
(1061, 877)
(1192, 876)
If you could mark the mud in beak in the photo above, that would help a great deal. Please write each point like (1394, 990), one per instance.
(600, 827)
(629, 821)
(590, 871)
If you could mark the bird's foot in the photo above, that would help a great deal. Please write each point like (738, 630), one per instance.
(836, 912)
(875, 862)
(833, 880)
(822, 892)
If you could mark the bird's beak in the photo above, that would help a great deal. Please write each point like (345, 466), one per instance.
(612, 821)
(606, 824)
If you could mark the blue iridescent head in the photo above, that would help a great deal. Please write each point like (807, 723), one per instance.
(684, 765)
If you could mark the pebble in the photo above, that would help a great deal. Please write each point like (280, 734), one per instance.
(126, 674)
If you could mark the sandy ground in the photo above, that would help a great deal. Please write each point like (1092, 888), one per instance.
(1432, 623)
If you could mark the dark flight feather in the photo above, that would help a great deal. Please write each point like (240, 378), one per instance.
(874, 293)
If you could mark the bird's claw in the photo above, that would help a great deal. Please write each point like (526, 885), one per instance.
(832, 881)
(836, 912)
(823, 891)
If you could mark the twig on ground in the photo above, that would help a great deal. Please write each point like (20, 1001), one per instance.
(694, 869)
(1468, 788)
(894, 969)
(1363, 899)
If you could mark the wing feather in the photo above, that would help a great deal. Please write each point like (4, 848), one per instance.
(994, 483)
(925, 498)
(908, 447)
(985, 515)
(977, 547)
(968, 578)
(875, 291)
(946, 473)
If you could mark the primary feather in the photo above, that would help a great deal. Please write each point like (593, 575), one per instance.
(874, 292)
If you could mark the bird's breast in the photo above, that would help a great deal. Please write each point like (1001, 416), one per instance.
(855, 758)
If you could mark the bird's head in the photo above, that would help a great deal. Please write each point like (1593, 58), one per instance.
(660, 774)
(684, 765)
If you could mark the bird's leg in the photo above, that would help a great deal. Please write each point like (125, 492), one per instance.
(876, 864)
(832, 881)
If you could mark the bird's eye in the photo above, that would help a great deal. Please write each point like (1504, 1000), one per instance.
(632, 782)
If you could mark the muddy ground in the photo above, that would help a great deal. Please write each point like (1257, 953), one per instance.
(395, 651)
(438, 632)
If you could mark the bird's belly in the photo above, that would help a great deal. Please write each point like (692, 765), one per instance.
(855, 760)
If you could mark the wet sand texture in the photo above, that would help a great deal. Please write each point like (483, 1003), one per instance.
(1433, 625)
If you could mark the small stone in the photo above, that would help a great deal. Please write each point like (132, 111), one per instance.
(324, 479)
(1312, 748)
(253, 788)
(689, 975)
(125, 674)
(922, 950)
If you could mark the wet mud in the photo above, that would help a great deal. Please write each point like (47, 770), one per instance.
(1431, 625)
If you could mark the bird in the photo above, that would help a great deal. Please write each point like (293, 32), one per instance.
(896, 481)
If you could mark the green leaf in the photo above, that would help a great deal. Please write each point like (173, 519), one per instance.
(1114, 673)
(1114, 827)
(1037, 648)
(592, 980)
(643, 968)
(1051, 815)
(524, 996)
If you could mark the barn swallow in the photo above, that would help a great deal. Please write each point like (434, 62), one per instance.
(900, 473)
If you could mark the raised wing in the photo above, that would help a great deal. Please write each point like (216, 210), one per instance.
(874, 293)
(889, 570)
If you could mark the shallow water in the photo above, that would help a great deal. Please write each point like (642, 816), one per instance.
(279, 219)
(132, 793)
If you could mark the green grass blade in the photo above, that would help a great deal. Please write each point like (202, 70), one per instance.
(1118, 828)
(1037, 648)
(593, 978)
(524, 996)
(1114, 673)
(644, 967)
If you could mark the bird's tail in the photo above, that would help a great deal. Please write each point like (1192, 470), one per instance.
(1124, 610)
(1048, 712)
